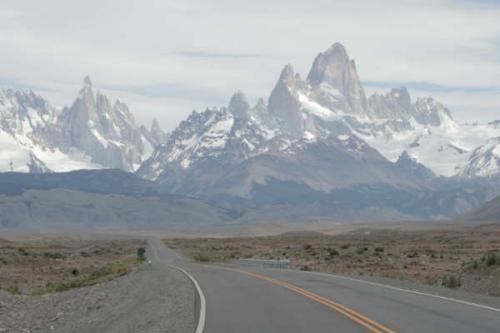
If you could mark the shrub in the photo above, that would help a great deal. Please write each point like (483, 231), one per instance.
(412, 255)
(491, 259)
(379, 249)
(141, 254)
(201, 258)
(14, 290)
(333, 252)
(451, 282)
(54, 255)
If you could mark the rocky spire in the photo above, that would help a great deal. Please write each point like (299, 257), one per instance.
(159, 136)
(238, 106)
(284, 105)
(86, 89)
(87, 82)
(336, 69)
(287, 75)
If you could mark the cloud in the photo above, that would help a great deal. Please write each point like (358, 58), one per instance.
(176, 56)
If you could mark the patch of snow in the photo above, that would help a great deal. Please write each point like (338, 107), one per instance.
(309, 136)
(99, 137)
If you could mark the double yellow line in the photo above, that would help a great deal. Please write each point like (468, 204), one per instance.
(370, 324)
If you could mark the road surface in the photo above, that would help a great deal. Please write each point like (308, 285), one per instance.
(252, 300)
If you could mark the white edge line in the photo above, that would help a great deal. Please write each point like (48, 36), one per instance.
(408, 291)
(203, 304)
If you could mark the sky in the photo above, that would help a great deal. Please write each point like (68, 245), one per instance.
(166, 58)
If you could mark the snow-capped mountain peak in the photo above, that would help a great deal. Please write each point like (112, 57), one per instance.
(92, 133)
(330, 103)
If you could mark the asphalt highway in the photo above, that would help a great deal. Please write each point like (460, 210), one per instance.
(269, 300)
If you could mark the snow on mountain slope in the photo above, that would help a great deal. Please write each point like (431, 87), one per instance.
(92, 133)
(446, 149)
(329, 104)
(28, 132)
(323, 106)
(484, 160)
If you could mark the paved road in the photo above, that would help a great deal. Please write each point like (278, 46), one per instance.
(244, 300)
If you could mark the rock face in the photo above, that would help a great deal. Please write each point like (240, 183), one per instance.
(92, 133)
(283, 103)
(104, 131)
(334, 69)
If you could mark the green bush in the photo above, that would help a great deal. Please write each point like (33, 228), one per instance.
(141, 254)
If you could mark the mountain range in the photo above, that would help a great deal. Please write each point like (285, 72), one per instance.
(92, 133)
(318, 147)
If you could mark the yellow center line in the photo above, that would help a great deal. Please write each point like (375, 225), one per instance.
(364, 321)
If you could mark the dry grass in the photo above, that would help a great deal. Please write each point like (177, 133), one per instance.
(44, 266)
(455, 259)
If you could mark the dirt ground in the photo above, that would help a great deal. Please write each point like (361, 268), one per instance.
(45, 265)
(465, 258)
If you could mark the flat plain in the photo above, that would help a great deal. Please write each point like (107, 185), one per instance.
(466, 258)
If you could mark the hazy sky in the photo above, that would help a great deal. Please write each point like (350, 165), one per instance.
(166, 58)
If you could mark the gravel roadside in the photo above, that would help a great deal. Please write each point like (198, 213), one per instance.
(150, 299)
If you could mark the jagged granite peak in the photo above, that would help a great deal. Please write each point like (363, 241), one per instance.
(314, 110)
(260, 110)
(87, 82)
(287, 75)
(396, 104)
(238, 106)
(284, 105)
(105, 131)
(203, 135)
(430, 112)
(334, 68)
(261, 104)
(92, 133)
(157, 133)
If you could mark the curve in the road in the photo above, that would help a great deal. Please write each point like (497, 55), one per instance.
(203, 304)
(357, 317)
